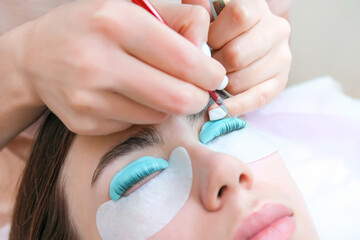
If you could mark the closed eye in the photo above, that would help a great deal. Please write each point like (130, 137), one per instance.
(139, 184)
(134, 175)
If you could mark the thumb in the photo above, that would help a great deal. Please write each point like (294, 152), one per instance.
(190, 21)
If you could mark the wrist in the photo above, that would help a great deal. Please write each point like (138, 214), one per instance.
(15, 82)
(20, 106)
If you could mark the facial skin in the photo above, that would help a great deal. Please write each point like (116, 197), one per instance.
(206, 214)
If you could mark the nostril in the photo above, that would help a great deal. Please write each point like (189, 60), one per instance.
(243, 179)
(221, 190)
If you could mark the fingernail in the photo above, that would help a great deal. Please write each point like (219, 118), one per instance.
(216, 114)
(224, 83)
(206, 49)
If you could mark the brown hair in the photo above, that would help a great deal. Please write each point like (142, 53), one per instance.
(41, 210)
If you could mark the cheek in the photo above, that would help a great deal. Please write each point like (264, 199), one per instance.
(272, 170)
(193, 222)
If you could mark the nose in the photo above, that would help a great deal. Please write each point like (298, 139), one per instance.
(219, 176)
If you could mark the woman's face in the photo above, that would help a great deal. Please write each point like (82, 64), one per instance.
(228, 199)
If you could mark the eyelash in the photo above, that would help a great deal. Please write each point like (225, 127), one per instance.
(214, 129)
(230, 126)
(134, 173)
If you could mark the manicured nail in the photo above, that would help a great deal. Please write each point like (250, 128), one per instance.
(224, 83)
(216, 114)
(206, 49)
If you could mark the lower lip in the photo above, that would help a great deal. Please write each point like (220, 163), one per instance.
(281, 229)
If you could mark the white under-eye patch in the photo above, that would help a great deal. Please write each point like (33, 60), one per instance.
(246, 144)
(147, 210)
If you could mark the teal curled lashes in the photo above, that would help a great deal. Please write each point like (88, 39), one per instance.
(213, 129)
(133, 173)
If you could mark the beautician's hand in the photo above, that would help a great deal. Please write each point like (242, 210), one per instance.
(253, 45)
(102, 66)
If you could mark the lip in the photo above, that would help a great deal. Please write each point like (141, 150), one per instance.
(272, 221)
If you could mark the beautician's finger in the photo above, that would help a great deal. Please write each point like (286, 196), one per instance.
(97, 126)
(100, 118)
(237, 17)
(276, 61)
(85, 124)
(190, 21)
(255, 97)
(161, 47)
(204, 3)
(159, 90)
(111, 105)
(250, 46)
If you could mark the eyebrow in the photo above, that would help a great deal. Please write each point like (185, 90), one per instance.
(147, 137)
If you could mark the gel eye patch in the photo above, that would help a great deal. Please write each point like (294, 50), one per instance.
(151, 207)
(246, 144)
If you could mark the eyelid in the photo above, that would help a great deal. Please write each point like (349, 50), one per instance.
(133, 173)
(140, 183)
(213, 129)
